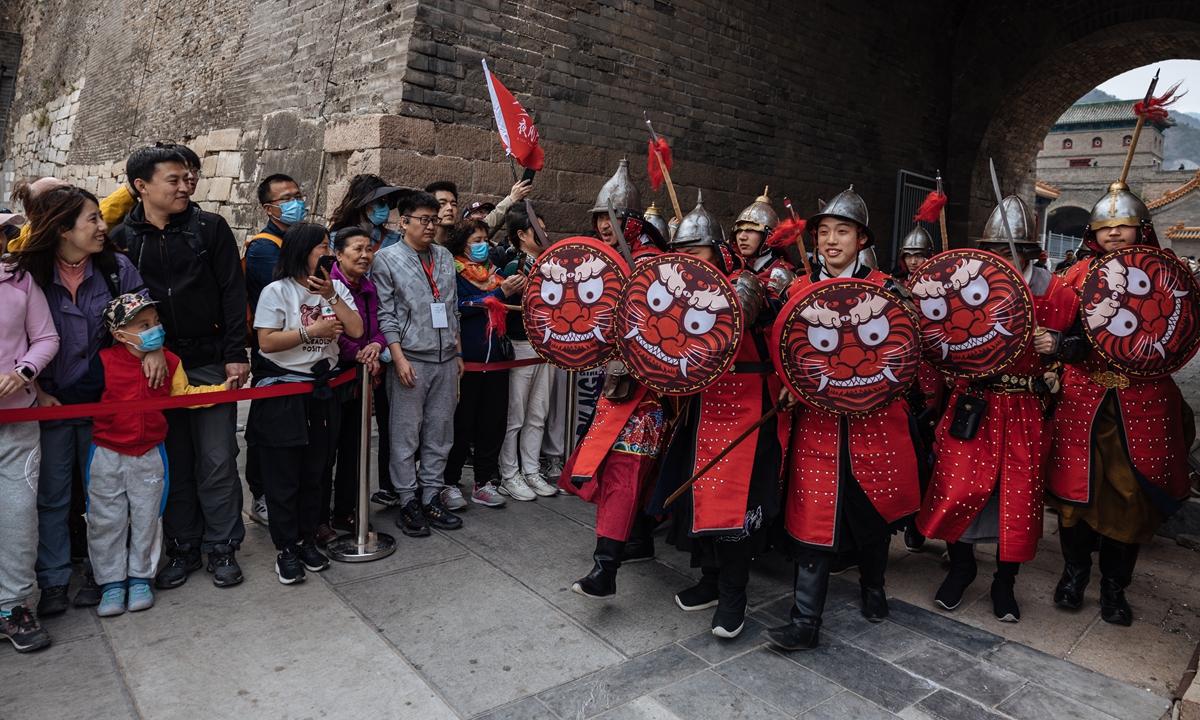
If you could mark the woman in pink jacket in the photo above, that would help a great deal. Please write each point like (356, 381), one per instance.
(28, 341)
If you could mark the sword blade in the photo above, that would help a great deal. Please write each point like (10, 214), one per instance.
(620, 233)
(1012, 246)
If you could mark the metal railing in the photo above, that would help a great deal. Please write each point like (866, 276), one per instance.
(1058, 244)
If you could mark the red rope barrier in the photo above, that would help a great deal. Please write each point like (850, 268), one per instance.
(505, 365)
(66, 412)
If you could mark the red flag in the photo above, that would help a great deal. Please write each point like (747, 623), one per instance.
(516, 128)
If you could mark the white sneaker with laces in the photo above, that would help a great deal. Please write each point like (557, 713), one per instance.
(538, 484)
(258, 510)
(515, 488)
(453, 498)
(487, 495)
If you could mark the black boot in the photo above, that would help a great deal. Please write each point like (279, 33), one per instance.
(812, 584)
(872, 562)
(1077, 544)
(601, 582)
(640, 546)
(962, 573)
(1116, 572)
(730, 616)
(702, 595)
(1004, 601)
(913, 539)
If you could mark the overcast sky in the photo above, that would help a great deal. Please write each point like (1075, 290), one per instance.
(1133, 84)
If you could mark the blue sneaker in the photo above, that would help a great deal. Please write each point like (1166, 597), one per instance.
(112, 600)
(140, 597)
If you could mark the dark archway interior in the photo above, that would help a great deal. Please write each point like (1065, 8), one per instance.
(1068, 220)
(1023, 72)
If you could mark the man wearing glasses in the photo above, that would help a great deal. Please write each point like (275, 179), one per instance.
(418, 314)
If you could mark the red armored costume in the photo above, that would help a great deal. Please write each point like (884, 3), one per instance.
(1119, 463)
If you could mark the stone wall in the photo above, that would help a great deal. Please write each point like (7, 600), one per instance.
(806, 97)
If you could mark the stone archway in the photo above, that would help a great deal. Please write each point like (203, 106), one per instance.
(1067, 220)
(1004, 110)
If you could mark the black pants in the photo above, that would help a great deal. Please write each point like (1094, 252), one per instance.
(480, 418)
(342, 484)
(204, 498)
(291, 476)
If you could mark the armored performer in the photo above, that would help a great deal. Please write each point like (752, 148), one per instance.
(916, 248)
(1119, 462)
(751, 232)
(852, 479)
(993, 443)
(722, 519)
(614, 465)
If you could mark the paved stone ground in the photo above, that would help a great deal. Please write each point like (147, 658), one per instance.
(480, 623)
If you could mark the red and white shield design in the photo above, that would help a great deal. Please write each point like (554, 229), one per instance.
(679, 324)
(570, 303)
(1141, 309)
(976, 313)
(846, 346)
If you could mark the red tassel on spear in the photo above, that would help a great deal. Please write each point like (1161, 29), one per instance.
(497, 316)
(932, 208)
(786, 233)
(652, 167)
(1154, 109)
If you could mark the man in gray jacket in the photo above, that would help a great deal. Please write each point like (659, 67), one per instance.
(418, 314)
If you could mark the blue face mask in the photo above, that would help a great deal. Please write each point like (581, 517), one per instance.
(291, 212)
(479, 252)
(379, 214)
(151, 339)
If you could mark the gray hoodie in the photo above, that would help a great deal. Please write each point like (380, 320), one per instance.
(405, 297)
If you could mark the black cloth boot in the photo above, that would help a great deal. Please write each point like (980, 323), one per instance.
(640, 546)
(1004, 601)
(730, 617)
(1117, 560)
(872, 563)
(601, 582)
(703, 594)
(1077, 544)
(962, 573)
(811, 587)
(913, 539)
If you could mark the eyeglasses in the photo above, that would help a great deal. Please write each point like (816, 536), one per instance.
(425, 220)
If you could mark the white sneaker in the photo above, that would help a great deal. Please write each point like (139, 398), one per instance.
(538, 484)
(258, 510)
(515, 488)
(453, 498)
(487, 495)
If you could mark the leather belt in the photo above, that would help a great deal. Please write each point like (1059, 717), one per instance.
(1012, 384)
(755, 368)
(1109, 379)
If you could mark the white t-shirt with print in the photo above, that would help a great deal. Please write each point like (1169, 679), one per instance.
(286, 304)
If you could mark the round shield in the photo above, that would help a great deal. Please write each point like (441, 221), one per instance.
(846, 346)
(570, 303)
(1141, 309)
(679, 324)
(976, 313)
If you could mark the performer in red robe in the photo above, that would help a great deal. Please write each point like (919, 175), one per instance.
(614, 464)
(750, 232)
(852, 480)
(1119, 463)
(989, 489)
(722, 519)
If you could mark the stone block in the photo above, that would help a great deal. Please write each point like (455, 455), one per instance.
(708, 697)
(226, 139)
(228, 164)
(380, 131)
(286, 129)
(208, 165)
(982, 682)
(878, 681)
(408, 169)
(202, 187)
(496, 178)
(785, 685)
(62, 142)
(219, 188)
(199, 145)
(463, 141)
(621, 683)
(577, 187)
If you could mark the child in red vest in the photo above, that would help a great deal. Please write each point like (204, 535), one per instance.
(127, 469)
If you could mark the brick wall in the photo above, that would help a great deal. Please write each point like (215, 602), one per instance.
(805, 97)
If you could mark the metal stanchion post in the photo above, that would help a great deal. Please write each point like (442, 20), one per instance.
(364, 545)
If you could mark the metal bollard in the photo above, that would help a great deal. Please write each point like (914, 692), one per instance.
(364, 545)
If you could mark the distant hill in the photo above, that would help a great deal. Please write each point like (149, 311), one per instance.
(1182, 142)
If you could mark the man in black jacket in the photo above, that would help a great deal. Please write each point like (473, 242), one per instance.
(189, 261)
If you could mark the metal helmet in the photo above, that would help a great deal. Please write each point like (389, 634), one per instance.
(620, 194)
(867, 257)
(1020, 221)
(699, 227)
(1119, 206)
(917, 242)
(847, 206)
(655, 218)
(758, 216)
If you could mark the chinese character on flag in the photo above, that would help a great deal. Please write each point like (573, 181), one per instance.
(516, 128)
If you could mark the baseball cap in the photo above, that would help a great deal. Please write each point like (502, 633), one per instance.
(478, 205)
(121, 309)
